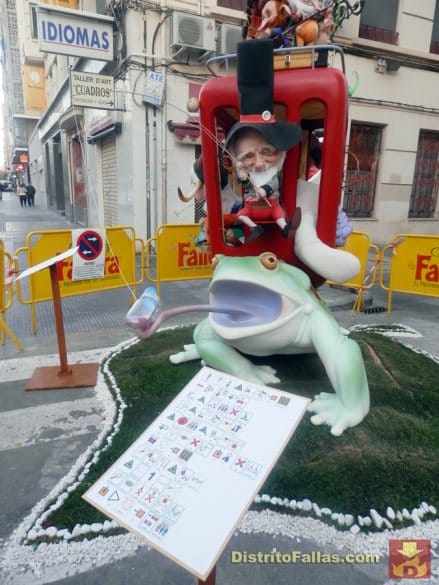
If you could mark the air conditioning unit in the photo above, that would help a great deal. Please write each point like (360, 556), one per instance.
(192, 32)
(230, 37)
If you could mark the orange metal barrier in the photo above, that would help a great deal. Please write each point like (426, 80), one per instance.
(414, 266)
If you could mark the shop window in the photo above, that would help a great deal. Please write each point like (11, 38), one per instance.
(33, 21)
(378, 21)
(424, 194)
(234, 4)
(434, 46)
(362, 169)
(101, 7)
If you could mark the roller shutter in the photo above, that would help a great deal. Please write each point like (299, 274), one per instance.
(109, 180)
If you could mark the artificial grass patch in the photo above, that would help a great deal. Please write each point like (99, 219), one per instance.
(390, 459)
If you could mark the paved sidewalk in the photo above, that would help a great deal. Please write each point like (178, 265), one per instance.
(16, 222)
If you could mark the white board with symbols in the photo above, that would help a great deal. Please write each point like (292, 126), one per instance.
(185, 483)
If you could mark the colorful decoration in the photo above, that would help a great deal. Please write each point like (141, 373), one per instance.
(298, 22)
(275, 21)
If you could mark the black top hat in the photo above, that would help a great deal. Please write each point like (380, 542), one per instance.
(255, 85)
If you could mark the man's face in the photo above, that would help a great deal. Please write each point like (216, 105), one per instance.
(258, 157)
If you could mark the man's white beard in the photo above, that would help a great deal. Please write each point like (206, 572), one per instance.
(265, 177)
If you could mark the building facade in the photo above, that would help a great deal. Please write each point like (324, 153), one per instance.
(392, 175)
(123, 165)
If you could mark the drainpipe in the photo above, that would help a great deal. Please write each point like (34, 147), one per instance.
(164, 141)
(147, 147)
(155, 174)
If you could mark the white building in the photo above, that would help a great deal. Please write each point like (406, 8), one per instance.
(394, 118)
(124, 166)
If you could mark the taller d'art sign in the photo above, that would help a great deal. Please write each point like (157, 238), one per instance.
(76, 33)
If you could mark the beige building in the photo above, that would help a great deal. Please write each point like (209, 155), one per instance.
(124, 165)
(394, 118)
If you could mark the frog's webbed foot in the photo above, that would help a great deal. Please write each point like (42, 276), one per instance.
(190, 353)
(330, 410)
(265, 374)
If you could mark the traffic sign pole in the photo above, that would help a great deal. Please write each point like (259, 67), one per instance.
(52, 377)
(59, 323)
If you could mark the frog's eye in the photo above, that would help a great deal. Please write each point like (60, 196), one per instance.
(269, 261)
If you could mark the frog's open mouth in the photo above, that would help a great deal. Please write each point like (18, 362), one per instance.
(258, 305)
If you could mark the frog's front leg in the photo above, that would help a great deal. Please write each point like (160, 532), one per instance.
(344, 365)
(218, 354)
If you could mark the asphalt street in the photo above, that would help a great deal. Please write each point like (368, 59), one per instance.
(44, 433)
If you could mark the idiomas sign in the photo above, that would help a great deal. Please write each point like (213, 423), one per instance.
(71, 32)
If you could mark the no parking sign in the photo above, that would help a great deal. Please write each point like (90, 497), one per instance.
(89, 262)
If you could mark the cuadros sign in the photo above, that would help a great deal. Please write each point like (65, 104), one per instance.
(73, 32)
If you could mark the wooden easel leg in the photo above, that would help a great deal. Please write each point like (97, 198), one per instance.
(59, 323)
(211, 579)
(52, 377)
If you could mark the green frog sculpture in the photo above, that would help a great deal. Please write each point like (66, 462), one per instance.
(261, 306)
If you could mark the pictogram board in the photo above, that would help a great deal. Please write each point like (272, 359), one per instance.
(185, 483)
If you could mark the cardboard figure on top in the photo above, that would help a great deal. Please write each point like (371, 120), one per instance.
(288, 22)
(275, 22)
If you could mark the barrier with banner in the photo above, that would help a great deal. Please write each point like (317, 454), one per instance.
(119, 264)
(177, 257)
(118, 257)
(414, 266)
(6, 296)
